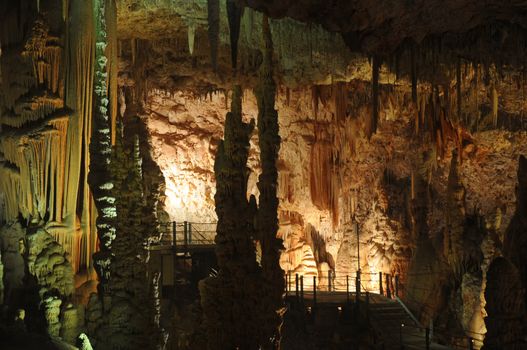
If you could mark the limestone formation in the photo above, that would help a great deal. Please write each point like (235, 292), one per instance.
(515, 244)
(99, 176)
(505, 306)
(231, 314)
(13, 263)
(267, 219)
(49, 264)
(387, 140)
(131, 311)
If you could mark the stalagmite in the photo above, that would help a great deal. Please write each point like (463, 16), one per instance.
(131, 314)
(232, 315)
(100, 149)
(269, 141)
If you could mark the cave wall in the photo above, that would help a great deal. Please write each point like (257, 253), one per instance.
(46, 122)
(417, 188)
(416, 201)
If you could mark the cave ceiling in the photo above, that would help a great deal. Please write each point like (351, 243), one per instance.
(317, 42)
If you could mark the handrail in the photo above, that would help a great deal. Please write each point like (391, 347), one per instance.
(409, 313)
(187, 234)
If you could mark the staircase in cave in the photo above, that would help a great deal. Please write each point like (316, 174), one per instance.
(394, 328)
(392, 324)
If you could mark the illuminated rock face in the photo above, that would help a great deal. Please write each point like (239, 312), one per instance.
(417, 207)
(48, 263)
(13, 262)
(397, 188)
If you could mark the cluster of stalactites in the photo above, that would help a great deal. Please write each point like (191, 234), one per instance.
(330, 140)
(40, 159)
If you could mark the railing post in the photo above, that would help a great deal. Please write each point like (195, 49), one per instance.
(347, 289)
(302, 288)
(427, 338)
(357, 286)
(174, 228)
(381, 292)
(296, 287)
(185, 235)
(470, 343)
(388, 289)
(314, 291)
(401, 336)
(367, 305)
(174, 257)
(397, 285)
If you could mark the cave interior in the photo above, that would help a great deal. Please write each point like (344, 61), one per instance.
(263, 174)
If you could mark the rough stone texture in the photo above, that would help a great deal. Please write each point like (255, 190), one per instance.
(505, 307)
(1, 280)
(376, 25)
(375, 184)
(71, 323)
(162, 30)
(47, 261)
(51, 308)
(232, 315)
(515, 244)
(267, 216)
(13, 262)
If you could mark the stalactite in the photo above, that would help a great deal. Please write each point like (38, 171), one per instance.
(374, 119)
(31, 108)
(315, 98)
(234, 13)
(11, 187)
(40, 159)
(113, 63)
(213, 17)
(340, 101)
(494, 100)
(100, 149)
(65, 9)
(458, 89)
(191, 33)
(77, 208)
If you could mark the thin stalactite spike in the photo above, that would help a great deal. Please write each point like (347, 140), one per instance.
(213, 18)
(234, 14)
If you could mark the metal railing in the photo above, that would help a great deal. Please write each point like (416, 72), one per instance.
(372, 282)
(187, 233)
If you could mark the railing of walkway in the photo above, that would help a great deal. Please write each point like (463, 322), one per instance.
(465, 340)
(187, 233)
(373, 282)
(363, 284)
